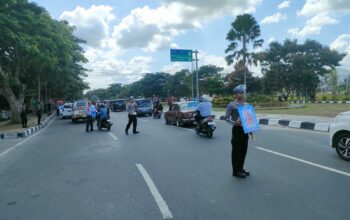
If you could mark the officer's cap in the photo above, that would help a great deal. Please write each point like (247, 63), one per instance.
(239, 88)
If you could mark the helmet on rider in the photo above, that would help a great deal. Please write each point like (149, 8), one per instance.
(204, 98)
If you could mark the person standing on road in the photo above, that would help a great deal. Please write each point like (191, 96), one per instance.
(239, 139)
(91, 114)
(131, 107)
(24, 117)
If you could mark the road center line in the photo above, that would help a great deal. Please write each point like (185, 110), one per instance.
(304, 161)
(112, 135)
(156, 195)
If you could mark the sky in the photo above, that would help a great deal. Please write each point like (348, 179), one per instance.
(128, 38)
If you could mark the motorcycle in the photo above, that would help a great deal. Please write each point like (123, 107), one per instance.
(206, 126)
(157, 114)
(104, 123)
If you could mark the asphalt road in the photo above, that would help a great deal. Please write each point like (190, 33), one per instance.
(170, 172)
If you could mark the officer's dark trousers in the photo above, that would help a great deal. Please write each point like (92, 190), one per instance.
(239, 148)
(89, 123)
(133, 120)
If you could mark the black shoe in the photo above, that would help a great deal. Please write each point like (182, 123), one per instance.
(126, 132)
(245, 172)
(239, 174)
(135, 132)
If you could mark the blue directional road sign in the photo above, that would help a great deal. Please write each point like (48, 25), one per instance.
(180, 55)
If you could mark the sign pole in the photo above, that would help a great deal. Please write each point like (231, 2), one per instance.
(197, 83)
(192, 81)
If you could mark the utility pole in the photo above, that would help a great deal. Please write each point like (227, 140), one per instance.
(197, 83)
(192, 81)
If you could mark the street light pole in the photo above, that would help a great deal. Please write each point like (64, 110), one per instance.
(197, 83)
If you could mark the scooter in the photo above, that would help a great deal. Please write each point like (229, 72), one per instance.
(104, 123)
(157, 114)
(206, 126)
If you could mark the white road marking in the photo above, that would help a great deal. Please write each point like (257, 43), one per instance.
(144, 120)
(112, 135)
(188, 129)
(304, 161)
(28, 138)
(156, 195)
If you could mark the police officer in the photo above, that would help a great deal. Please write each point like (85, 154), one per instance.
(131, 107)
(239, 139)
(91, 114)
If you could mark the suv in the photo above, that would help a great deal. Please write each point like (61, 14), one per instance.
(339, 134)
(79, 111)
(117, 105)
(67, 110)
(144, 107)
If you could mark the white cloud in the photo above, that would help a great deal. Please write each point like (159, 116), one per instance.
(174, 67)
(313, 7)
(342, 45)
(284, 4)
(313, 26)
(276, 18)
(105, 68)
(92, 24)
(155, 29)
(271, 39)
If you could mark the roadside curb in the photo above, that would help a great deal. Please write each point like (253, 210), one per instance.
(26, 132)
(315, 126)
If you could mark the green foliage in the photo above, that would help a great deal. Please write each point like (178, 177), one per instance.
(295, 68)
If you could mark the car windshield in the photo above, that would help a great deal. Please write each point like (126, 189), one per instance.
(144, 103)
(189, 106)
(121, 101)
(68, 105)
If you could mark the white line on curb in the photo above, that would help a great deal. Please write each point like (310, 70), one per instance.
(112, 135)
(156, 195)
(304, 161)
(28, 138)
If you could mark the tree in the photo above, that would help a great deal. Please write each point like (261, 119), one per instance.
(210, 79)
(178, 84)
(246, 30)
(36, 51)
(292, 67)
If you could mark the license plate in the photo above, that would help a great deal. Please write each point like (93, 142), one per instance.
(211, 123)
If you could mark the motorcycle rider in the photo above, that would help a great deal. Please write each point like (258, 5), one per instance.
(204, 109)
(157, 106)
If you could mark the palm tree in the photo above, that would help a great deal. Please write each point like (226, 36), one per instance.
(246, 30)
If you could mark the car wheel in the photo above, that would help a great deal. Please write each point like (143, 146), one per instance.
(343, 146)
(74, 121)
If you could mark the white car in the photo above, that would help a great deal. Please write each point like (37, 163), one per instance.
(67, 110)
(339, 135)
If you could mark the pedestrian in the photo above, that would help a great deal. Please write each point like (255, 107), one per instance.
(24, 117)
(239, 139)
(48, 109)
(131, 107)
(91, 114)
(38, 113)
(170, 102)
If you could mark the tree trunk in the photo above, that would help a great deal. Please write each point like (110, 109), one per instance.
(14, 102)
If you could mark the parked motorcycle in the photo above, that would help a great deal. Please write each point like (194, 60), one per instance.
(206, 126)
(105, 123)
